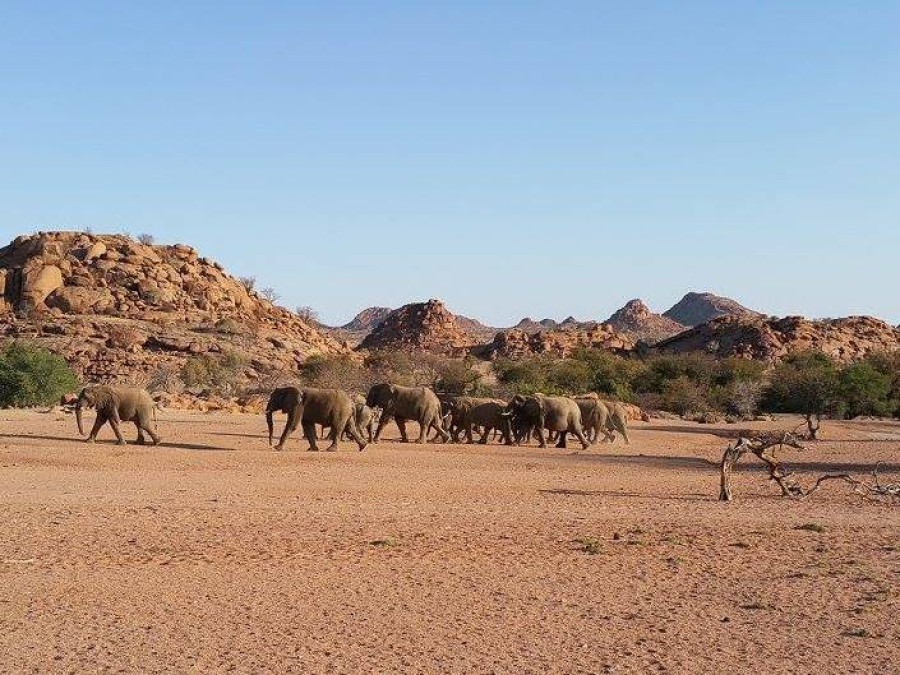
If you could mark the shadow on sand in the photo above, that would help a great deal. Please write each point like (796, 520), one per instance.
(80, 441)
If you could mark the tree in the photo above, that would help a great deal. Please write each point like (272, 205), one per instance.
(805, 383)
(146, 239)
(863, 390)
(269, 294)
(308, 314)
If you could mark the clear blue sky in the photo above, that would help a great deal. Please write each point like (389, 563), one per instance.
(511, 158)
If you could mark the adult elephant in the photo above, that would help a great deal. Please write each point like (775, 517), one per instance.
(401, 404)
(118, 404)
(487, 414)
(309, 407)
(552, 413)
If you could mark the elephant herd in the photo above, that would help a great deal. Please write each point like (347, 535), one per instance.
(362, 419)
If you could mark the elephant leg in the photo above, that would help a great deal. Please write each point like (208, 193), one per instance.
(114, 423)
(98, 424)
(336, 431)
(579, 434)
(309, 428)
(561, 441)
(401, 425)
(424, 427)
(469, 438)
(542, 442)
(382, 422)
(140, 432)
(484, 437)
(290, 426)
(439, 425)
(353, 430)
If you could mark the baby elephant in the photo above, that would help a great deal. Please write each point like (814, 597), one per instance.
(118, 404)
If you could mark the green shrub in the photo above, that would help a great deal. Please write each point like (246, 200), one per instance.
(33, 376)
(862, 390)
(216, 373)
(888, 364)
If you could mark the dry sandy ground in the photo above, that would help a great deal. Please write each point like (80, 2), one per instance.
(216, 554)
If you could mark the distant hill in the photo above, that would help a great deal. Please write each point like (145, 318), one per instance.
(367, 319)
(421, 326)
(636, 319)
(697, 308)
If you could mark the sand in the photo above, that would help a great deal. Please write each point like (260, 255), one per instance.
(215, 554)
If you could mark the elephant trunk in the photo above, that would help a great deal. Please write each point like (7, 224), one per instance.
(78, 414)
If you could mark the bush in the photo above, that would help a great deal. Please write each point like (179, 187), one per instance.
(248, 282)
(804, 383)
(33, 376)
(336, 372)
(888, 364)
(217, 374)
(146, 239)
(863, 390)
(684, 396)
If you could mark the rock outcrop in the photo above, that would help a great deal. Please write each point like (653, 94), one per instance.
(529, 325)
(636, 319)
(421, 326)
(367, 319)
(697, 308)
(121, 311)
(770, 339)
(516, 343)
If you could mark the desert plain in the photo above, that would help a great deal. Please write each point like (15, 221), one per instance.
(215, 554)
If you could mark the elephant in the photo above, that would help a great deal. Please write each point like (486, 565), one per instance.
(617, 420)
(365, 417)
(400, 404)
(594, 418)
(118, 404)
(309, 407)
(484, 413)
(553, 413)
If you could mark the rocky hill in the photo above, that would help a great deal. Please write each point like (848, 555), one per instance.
(636, 319)
(421, 326)
(771, 339)
(516, 343)
(367, 319)
(121, 311)
(697, 308)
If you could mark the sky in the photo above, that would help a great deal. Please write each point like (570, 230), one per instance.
(511, 158)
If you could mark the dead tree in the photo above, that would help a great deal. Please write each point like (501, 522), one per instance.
(763, 446)
(813, 422)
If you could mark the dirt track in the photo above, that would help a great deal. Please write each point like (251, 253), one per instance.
(220, 555)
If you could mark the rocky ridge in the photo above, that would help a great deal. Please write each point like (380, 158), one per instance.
(771, 339)
(560, 343)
